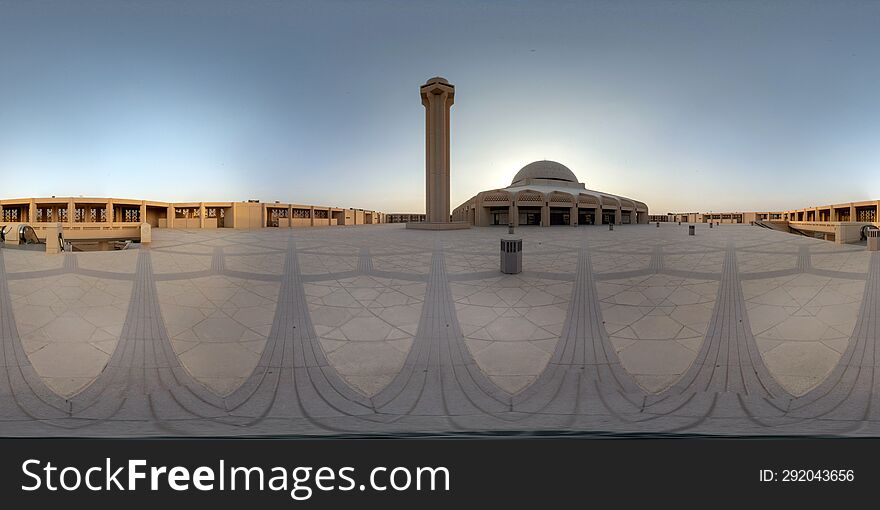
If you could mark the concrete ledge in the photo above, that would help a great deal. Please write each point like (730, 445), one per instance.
(453, 225)
(843, 232)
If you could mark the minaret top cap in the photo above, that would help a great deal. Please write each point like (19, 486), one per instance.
(436, 87)
(437, 79)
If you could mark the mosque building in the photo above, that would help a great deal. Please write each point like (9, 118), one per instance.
(548, 193)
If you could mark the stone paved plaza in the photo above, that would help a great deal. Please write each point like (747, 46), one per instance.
(379, 329)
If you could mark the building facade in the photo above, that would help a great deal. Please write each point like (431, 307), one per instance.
(548, 193)
(96, 218)
(842, 223)
(405, 218)
(866, 211)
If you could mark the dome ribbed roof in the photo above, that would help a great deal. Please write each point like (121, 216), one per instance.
(545, 170)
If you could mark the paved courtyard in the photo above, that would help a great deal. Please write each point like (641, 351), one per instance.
(379, 329)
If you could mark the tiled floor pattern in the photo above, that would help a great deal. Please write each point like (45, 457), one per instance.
(378, 328)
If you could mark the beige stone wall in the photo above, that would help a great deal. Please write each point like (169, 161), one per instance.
(154, 215)
(187, 223)
(346, 217)
(247, 215)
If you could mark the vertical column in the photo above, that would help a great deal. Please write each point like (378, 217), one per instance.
(32, 211)
(142, 214)
(617, 215)
(53, 230)
(437, 97)
(109, 212)
(233, 219)
(201, 215)
(146, 233)
(289, 216)
(573, 216)
(312, 215)
(545, 214)
(71, 211)
(169, 216)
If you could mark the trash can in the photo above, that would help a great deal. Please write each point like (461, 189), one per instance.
(611, 226)
(691, 229)
(679, 223)
(873, 239)
(511, 256)
(658, 224)
(711, 225)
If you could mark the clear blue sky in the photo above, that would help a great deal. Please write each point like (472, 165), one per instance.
(688, 106)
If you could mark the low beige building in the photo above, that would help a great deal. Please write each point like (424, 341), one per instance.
(548, 193)
(103, 218)
(405, 218)
(719, 217)
(841, 223)
(867, 211)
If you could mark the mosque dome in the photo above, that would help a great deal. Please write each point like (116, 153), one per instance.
(544, 170)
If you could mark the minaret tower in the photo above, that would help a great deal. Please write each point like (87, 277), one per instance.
(437, 98)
